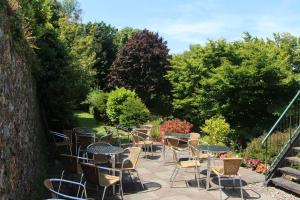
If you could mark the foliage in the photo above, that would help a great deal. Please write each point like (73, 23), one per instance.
(82, 54)
(104, 47)
(155, 129)
(248, 82)
(217, 129)
(114, 103)
(141, 65)
(133, 112)
(255, 150)
(123, 35)
(97, 100)
(176, 126)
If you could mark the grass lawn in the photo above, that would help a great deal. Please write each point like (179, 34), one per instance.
(87, 120)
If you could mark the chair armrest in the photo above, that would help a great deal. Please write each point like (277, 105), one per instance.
(109, 169)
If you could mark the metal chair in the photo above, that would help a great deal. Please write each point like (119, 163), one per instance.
(56, 193)
(195, 153)
(130, 163)
(195, 164)
(63, 144)
(95, 175)
(107, 138)
(84, 140)
(142, 140)
(229, 170)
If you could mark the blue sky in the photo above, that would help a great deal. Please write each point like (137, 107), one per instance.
(185, 22)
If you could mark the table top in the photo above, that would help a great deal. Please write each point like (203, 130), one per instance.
(83, 130)
(213, 148)
(105, 149)
(178, 135)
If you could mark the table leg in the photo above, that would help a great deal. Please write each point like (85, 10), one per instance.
(164, 150)
(114, 173)
(208, 172)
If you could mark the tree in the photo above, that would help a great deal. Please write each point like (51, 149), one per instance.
(123, 35)
(248, 82)
(104, 48)
(141, 65)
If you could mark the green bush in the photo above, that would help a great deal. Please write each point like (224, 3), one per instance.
(97, 104)
(255, 150)
(114, 103)
(217, 129)
(133, 112)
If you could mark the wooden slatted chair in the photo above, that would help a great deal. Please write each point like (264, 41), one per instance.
(229, 170)
(95, 175)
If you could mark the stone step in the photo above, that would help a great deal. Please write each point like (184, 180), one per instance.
(290, 171)
(293, 160)
(286, 184)
(296, 148)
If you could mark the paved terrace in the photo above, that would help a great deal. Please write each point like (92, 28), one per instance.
(155, 173)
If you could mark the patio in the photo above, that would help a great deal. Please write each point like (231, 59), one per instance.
(155, 174)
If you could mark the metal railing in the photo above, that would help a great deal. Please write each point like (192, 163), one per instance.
(282, 135)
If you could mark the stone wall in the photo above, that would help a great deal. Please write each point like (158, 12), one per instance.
(22, 155)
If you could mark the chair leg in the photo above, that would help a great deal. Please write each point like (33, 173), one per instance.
(173, 173)
(241, 185)
(152, 149)
(104, 193)
(140, 179)
(61, 177)
(220, 187)
(174, 176)
(121, 189)
(198, 172)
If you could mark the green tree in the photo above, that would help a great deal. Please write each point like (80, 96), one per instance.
(248, 82)
(104, 47)
(123, 35)
(141, 66)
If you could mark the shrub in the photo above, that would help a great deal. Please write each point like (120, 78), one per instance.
(133, 112)
(255, 150)
(97, 104)
(155, 129)
(176, 125)
(217, 129)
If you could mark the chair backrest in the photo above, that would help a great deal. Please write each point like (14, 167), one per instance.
(70, 163)
(194, 136)
(85, 140)
(82, 130)
(175, 156)
(172, 142)
(107, 138)
(56, 194)
(134, 155)
(135, 138)
(193, 142)
(231, 165)
(90, 172)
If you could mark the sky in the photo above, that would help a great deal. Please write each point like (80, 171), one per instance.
(185, 22)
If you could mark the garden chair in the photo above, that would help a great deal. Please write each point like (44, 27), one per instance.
(107, 138)
(56, 193)
(130, 163)
(142, 140)
(71, 166)
(189, 164)
(84, 140)
(194, 152)
(177, 143)
(229, 170)
(99, 159)
(62, 142)
(194, 136)
(95, 175)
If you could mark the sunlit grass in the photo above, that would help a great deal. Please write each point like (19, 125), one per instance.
(85, 119)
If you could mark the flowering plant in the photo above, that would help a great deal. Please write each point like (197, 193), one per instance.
(176, 125)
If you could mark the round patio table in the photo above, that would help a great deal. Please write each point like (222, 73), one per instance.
(211, 149)
(106, 150)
